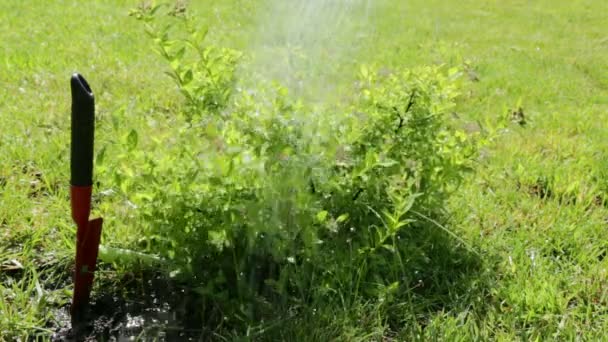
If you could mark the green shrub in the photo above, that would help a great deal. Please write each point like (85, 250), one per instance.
(204, 74)
(257, 200)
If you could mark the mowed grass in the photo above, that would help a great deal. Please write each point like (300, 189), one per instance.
(535, 208)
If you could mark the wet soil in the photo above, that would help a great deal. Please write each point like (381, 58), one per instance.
(152, 308)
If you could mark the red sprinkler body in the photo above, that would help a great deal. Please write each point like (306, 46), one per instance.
(81, 164)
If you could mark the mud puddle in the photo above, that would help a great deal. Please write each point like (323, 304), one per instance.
(150, 309)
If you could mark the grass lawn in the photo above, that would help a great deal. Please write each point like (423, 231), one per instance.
(535, 209)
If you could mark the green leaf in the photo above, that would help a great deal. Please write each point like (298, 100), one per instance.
(156, 8)
(322, 216)
(370, 159)
(389, 248)
(219, 239)
(132, 140)
(187, 78)
(342, 218)
(176, 60)
(173, 76)
(100, 156)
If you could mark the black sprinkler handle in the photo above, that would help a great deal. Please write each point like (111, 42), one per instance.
(83, 132)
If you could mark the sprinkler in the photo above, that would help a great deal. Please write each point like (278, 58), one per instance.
(88, 234)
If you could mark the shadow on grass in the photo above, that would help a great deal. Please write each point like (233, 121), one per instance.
(441, 277)
(447, 275)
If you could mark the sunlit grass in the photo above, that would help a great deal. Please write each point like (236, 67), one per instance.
(535, 208)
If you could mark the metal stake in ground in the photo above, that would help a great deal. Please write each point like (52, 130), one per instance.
(81, 163)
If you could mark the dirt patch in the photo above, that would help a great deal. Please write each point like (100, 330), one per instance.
(154, 308)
